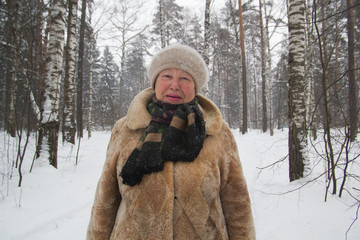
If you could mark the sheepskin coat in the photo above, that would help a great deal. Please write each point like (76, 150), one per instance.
(204, 199)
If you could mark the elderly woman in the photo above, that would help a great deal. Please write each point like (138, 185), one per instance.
(172, 168)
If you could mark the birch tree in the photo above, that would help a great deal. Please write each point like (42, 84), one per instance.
(207, 31)
(311, 117)
(162, 23)
(54, 59)
(206, 41)
(69, 127)
(297, 112)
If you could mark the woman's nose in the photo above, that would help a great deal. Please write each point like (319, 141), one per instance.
(175, 83)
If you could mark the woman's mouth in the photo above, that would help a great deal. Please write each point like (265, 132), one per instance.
(173, 97)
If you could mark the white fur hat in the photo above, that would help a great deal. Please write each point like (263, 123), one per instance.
(181, 57)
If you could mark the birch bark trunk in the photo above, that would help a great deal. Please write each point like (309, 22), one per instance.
(206, 42)
(297, 111)
(162, 24)
(311, 117)
(50, 107)
(69, 127)
(269, 73)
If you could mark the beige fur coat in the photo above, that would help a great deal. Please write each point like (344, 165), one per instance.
(205, 199)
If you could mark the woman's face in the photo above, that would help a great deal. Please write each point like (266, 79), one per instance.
(174, 86)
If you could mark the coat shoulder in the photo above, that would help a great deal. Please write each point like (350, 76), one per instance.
(212, 115)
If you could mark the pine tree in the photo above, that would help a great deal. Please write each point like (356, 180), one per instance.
(107, 91)
(193, 32)
(168, 23)
(134, 72)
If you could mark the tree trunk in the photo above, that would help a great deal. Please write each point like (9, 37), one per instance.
(243, 72)
(79, 117)
(91, 63)
(297, 111)
(255, 116)
(122, 77)
(207, 32)
(13, 51)
(264, 103)
(280, 124)
(69, 127)
(311, 115)
(206, 42)
(162, 23)
(353, 86)
(269, 73)
(50, 107)
(91, 60)
(327, 117)
(256, 102)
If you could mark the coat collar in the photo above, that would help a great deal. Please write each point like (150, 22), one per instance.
(138, 116)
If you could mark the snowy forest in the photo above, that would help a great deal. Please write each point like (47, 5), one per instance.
(71, 67)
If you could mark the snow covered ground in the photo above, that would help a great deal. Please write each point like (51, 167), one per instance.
(55, 204)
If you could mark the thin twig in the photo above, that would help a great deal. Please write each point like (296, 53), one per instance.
(77, 152)
(353, 222)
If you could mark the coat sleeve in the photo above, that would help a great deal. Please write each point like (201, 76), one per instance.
(107, 196)
(234, 193)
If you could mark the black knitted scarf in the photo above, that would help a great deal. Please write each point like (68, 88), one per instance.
(176, 133)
